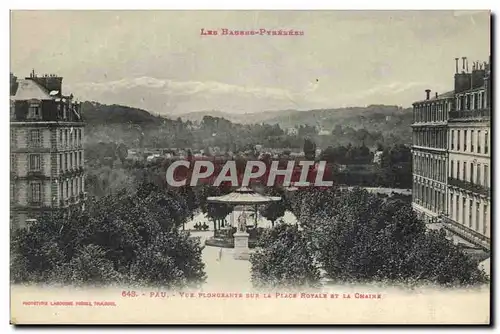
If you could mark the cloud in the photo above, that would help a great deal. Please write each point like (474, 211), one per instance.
(154, 94)
(182, 88)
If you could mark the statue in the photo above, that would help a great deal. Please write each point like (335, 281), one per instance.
(242, 223)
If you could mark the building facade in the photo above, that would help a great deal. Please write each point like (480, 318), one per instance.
(429, 153)
(451, 174)
(46, 146)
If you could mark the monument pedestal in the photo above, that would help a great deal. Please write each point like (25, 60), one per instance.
(241, 250)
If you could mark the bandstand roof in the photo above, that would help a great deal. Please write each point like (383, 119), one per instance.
(243, 196)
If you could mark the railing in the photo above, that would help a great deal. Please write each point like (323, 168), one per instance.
(480, 113)
(466, 233)
(469, 186)
(35, 173)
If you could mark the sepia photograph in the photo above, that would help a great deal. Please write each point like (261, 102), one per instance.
(250, 167)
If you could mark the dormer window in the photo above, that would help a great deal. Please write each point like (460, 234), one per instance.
(65, 111)
(34, 111)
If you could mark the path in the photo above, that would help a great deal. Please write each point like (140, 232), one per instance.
(227, 273)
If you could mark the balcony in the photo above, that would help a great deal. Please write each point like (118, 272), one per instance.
(466, 233)
(36, 204)
(469, 186)
(470, 114)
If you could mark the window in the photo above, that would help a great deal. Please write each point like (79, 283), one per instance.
(485, 219)
(12, 109)
(34, 111)
(465, 140)
(13, 137)
(60, 137)
(486, 176)
(478, 141)
(458, 140)
(36, 192)
(464, 171)
(35, 138)
(66, 137)
(452, 139)
(13, 160)
(60, 162)
(451, 168)
(12, 192)
(478, 175)
(65, 112)
(67, 189)
(80, 135)
(34, 162)
(472, 141)
(457, 207)
(471, 173)
(71, 160)
(478, 215)
(469, 223)
(464, 206)
(458, 169)
(80, 158)
(65, 161)
(486, 142)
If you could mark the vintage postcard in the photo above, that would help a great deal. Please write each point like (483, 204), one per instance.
(250, 167)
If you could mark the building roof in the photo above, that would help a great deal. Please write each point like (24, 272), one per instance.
(446, 95)
(30, 90)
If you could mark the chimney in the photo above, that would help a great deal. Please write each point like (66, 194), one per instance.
(463, 63)
(467, 65)
(13, 84)
(456, 65)
(436, 95)
(427, 94)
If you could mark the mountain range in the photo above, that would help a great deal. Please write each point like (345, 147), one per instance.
(372, 117)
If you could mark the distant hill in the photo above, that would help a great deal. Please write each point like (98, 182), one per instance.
(355, 117)
(374, 117)
(247, 118)
(95, 113)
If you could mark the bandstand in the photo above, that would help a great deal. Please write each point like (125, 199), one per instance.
(245, 198)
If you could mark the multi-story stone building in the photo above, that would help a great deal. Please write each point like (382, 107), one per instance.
(429, 155)
(451, 157)
(47, 157)
(469, 198)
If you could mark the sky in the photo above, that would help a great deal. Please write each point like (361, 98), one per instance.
(159, 61)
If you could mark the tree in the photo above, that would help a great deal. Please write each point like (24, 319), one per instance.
(362, 237)
(283, 259)
(273, 211)
(309, 149)
(122, 152)
(121, 238)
